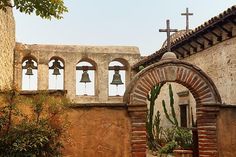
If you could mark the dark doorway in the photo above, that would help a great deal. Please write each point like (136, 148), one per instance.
(183, 115)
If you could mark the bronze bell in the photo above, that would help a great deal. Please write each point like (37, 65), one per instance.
(56, 71)
(85, 77)
(117, 79)
(29, 71)
(56, 67)
(29, 67)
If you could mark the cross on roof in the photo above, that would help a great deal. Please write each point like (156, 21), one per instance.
(187, 14)
(168, 31)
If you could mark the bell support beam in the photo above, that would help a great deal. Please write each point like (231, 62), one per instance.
(24, 67)
(85, 67)
(115, 67)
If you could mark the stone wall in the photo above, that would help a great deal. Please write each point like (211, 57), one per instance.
(7, 44)
(226, 123)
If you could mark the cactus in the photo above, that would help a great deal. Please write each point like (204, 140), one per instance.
(172, 118)
(155, 91)
(157, 126)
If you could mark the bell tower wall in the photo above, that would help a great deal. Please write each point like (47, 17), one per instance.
(98, 56)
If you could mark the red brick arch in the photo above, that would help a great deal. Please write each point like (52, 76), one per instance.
(190, 76)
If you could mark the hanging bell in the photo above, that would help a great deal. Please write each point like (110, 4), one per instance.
(85, 77)
(56, 66)
(29, 71)
(29, 67)
(117, 79)
(56, 71)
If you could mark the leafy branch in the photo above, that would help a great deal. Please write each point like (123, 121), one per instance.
(46, 9)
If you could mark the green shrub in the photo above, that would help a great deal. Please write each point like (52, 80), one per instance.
(183, 137)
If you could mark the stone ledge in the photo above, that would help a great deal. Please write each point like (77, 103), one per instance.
(50, 92)
(82, 105)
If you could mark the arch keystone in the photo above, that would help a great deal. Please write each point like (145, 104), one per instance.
(170, 73)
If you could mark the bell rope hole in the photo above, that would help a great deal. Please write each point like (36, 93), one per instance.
(29, 74)
(56, 74)
(85, 78)
(116, 81)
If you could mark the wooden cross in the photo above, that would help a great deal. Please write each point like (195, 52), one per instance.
(168, 31)
(187, 14)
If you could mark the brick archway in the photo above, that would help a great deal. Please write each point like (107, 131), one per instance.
(170, 69)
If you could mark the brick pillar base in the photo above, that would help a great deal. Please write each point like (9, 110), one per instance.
(207, 135)
(138, 132)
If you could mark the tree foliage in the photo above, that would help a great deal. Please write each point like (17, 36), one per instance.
(46, 9)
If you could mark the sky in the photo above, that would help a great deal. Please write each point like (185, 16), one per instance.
(112, 22)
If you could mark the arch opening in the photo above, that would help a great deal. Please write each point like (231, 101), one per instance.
(29, 73)
(85, 78)
(116, 78)
(194, 79)
(56, 74)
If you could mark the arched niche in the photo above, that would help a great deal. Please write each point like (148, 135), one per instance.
(169, 69)
(121, 67)
(116, 78)
(56, 73)
(87, 67)
(29, 73)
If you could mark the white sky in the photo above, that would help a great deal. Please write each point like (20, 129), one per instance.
(112, 22)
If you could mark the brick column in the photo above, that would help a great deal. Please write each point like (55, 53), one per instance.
(207, 131)
(138, 132)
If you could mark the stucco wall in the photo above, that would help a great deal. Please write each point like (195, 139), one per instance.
(7, 44)
(99, 132)
(226, 123)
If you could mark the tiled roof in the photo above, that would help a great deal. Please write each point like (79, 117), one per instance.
(230, 12)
